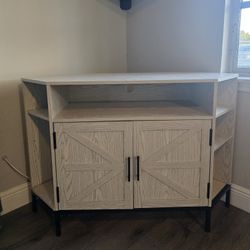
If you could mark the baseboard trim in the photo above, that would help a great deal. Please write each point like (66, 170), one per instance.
(240, 197)
(15, 197)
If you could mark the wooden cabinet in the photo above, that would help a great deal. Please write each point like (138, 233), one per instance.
(124, 141)
(96, 166)
(92, 161)
(173, 158)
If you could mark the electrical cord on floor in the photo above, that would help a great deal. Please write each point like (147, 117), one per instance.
(6, 160)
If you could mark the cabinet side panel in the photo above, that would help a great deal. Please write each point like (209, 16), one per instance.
(38, 142)
(225, 131)
(222, 163)
(227, 94)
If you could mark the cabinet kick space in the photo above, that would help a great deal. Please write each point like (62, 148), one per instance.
(130, 141)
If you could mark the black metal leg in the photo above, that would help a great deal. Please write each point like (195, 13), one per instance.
(57, 221)
(228, 198)
(34, 203)
(208, 215)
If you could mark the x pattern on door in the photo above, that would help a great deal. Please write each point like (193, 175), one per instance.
(96, 153)
(163, 178)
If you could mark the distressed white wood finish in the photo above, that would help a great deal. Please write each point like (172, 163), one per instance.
(224, 127)
(57, 99)
(202, 95)
(220, 111)
(126, 93)
(39, 113)
(133, 78)
(220, 141)
(92, 162)
(118, 102)
(38, 137)
(55, 103)
(222, 162)
(36, 96)
(217, 187)
(227, 94)
(131, 111)
(115, 103)
(45, 192)
(174, 163)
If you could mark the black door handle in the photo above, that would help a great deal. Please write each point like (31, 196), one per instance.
(128, 169)
(138, 167)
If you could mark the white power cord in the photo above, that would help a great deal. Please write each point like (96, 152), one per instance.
(6, 160)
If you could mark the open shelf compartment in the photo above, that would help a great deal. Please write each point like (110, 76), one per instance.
(133, 102)
(220, 111)
(117, 111)
(222, 168)
(220, 141)
(41, 160)
(36, 101)
(39, 113)
(45, 192)
(217, 187)
(224, 129)
(224, 138)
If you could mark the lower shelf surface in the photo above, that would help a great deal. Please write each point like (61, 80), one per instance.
(46, 193)
(217, 187)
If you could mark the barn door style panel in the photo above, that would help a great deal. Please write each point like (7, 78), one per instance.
(92, 162)
(172, 163)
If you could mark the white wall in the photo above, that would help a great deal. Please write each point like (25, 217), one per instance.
(241, 171)
(48, 37)
(241, 166)
(175, 35)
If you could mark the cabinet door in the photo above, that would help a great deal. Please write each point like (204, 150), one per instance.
(92, 165)
(174, 163)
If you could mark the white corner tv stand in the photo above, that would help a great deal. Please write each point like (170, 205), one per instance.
(130, 141)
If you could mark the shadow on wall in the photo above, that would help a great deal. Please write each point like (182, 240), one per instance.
(111, 4)
(136, 4)
(12, 133)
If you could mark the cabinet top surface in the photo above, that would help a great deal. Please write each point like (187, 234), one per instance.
(131, 78)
